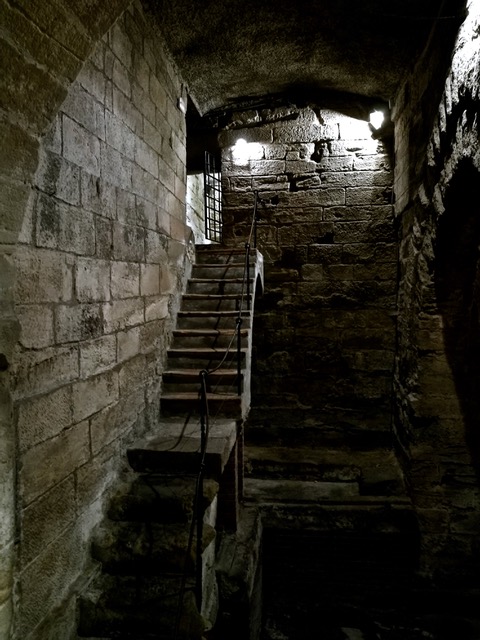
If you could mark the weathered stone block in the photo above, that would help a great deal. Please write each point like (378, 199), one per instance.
(46, 518)
(86, 110)
(80, 146)
(44, 417)
(121, 78)
(127, 111)
(385, 271)
(116, 168)
(121, 44)
(20, 153)
(156, 308)
(146, 157)
(57, 177)
(36, 322)
(51, 461)
(98, 195)
(119, 135)
(146, 213)
(369, 195)
(90, 396)
(145, 184)
(152, 336)
(64, 227)
(158, 94)
(27, 89)
(121, 314)
(126, 207)
(77, 322)
(128, 242)
(103, 238)
(125, 280)
(150, 279)
(155, 247)
(45, 581)
(128, 344)
(97, 475)
(14, 199)
(132, 375)
(42, 276)
(314, 198)
(39, 372)
(98, 355)
(92, 280)
(93, 81)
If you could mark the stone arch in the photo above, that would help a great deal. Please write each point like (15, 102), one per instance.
(43, 47)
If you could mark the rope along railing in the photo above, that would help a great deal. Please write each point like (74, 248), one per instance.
(197, 519)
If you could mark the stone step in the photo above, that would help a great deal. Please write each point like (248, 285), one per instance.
(177, 450)
(222, 255)
(147, 548)
(376, 472)
(187, 402)
(214, 302)
(204, 358)
(159, 498)
(230, 270)
(133, 608)
(222, 380)
(210, 338)
(201, 319)
(219, 286)
(298, 491)
(328, 506)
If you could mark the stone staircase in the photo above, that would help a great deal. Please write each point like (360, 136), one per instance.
(146, 547)
(328, 528)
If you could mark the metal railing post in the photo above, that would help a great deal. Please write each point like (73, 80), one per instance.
(239, 356)
(247, 275)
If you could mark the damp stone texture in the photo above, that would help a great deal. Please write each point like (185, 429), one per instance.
(100, 265)
(324, 333)
(437, 377)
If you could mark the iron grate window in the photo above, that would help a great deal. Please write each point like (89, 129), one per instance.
(213, 199)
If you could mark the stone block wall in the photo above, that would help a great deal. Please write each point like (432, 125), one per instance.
(43, 48)
(437, 373)
(324, 334)
(100, 265)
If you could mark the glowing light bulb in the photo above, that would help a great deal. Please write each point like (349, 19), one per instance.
(376, 119)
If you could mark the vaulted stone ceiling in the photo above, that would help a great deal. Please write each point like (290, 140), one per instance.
(246, 52)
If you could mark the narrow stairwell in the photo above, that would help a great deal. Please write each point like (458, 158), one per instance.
(157, 580)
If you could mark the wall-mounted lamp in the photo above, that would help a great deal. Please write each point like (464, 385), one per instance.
(240, 151)
(376, 119)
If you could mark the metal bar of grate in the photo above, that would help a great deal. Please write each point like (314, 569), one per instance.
(213, 199)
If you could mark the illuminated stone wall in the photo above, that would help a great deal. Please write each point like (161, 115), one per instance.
(324, 332)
